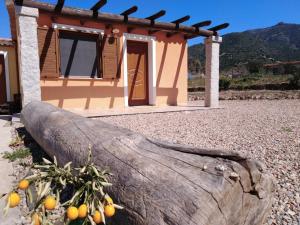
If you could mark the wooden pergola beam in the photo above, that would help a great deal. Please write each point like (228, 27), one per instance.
(181, 20)
(59, 5)
(128, 12)
(202, 24)
(156, 15)
(98, 5)
(214, 29)
(219, 27)
(107, 18)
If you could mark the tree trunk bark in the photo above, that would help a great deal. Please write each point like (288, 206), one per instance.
(157, 183)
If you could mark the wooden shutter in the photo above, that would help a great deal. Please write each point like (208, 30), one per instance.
(47, 39)
(110, 57)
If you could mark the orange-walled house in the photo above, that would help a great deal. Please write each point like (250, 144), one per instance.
(84, 59)
(9, 81)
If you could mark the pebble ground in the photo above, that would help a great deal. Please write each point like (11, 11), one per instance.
(262, 129)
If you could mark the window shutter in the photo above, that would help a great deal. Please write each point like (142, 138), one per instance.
(47, 52)
(110, 57)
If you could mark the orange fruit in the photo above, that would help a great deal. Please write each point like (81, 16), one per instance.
(97, 217)
(82, 211)
(72, 213)
(50, 203)
(23, 184)
(35, 219)
(109, 210)
(13, 199)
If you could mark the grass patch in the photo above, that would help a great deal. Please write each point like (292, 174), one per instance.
(259, 79)
(17, 154)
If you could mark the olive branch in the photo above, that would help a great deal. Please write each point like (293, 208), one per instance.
(83, 185)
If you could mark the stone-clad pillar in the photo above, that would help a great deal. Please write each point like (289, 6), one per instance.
(29, 65)
(212, 54)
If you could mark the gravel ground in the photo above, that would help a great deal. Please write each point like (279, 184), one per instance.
(265, 130)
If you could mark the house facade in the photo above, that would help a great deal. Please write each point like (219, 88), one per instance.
(83, 59)
(9, 82)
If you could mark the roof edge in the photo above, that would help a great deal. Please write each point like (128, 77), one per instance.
(118, 19)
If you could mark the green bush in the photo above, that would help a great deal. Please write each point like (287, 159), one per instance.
(254, 67)
(294, 81)
(224, 83)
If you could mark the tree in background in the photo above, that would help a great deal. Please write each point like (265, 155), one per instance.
(194, 66)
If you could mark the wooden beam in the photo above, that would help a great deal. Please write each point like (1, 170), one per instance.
(181, 20)
(202, 24)
(156, 15)
(118, 19)
(129, 11)
(214, 29)
(59, 5)
(219, 27)
(98, 5)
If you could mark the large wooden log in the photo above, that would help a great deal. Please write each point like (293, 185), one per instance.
(158, 183)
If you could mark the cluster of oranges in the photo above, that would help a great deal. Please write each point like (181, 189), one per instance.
(14, 198)
(72, 212)
(81, 212)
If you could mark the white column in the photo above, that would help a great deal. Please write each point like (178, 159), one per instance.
(212, 54)
(152, 71)
(29, 64)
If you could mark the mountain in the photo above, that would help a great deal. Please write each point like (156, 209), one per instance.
(277, 43)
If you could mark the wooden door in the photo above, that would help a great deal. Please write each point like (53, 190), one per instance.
(137, 63)
(2, 81)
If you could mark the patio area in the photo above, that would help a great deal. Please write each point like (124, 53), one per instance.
(148, 109)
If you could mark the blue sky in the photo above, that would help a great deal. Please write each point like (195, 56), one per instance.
(241, 14)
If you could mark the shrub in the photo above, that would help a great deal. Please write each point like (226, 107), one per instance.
(294, 81)
(254, 67)
(224, 83)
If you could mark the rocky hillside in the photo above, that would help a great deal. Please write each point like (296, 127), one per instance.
(277, 43)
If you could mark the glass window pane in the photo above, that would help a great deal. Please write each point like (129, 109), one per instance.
(78, 54)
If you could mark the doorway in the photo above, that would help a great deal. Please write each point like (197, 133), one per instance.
(137, 69)
(3, 96)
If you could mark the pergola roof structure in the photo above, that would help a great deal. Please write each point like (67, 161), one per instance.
(149, 22)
